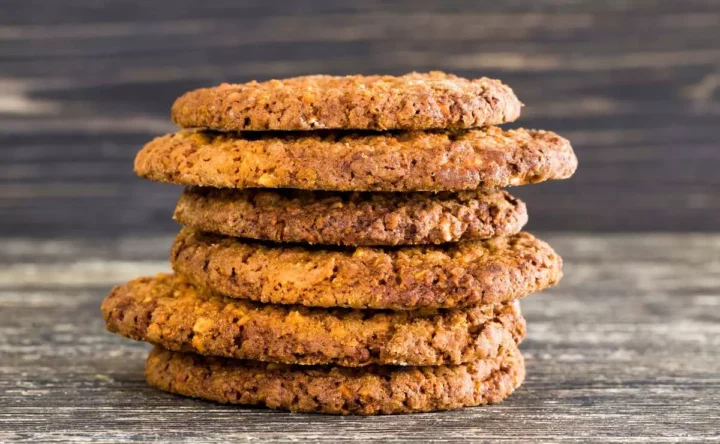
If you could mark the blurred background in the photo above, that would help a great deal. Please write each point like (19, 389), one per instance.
(635, 85)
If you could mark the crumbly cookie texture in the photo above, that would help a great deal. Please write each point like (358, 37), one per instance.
(169, 312)
(445, 276)
(337, 390)
(411, 102)
(341, 161)
(354, 219)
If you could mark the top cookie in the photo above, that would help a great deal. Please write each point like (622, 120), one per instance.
(415, 101)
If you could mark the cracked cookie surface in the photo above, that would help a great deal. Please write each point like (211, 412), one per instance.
(415, 101)
(397, 278)
(354, 219)
(166, 311)
(337, 390)
(339, 161)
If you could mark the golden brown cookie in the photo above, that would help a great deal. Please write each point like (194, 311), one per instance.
(171, 313)
(410, 102)
(337, 218)
(445, 276)
(340, 161)
(337, 390)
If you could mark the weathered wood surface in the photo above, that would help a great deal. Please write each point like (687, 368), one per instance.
(634, 85)
(624, 350)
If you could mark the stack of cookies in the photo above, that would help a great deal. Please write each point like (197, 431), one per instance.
(347, 247)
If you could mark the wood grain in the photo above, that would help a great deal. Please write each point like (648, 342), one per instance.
(624, 350)
(634, 85)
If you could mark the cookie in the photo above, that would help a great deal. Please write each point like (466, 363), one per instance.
(336, 218)
(340, 161)
(171, 313)
(411, 102)
(447, 276)
(337, 390)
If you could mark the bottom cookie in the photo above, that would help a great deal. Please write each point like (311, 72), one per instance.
(337, 390)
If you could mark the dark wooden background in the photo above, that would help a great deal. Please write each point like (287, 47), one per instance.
(634, 84)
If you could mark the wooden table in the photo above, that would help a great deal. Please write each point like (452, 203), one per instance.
(625, 349)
